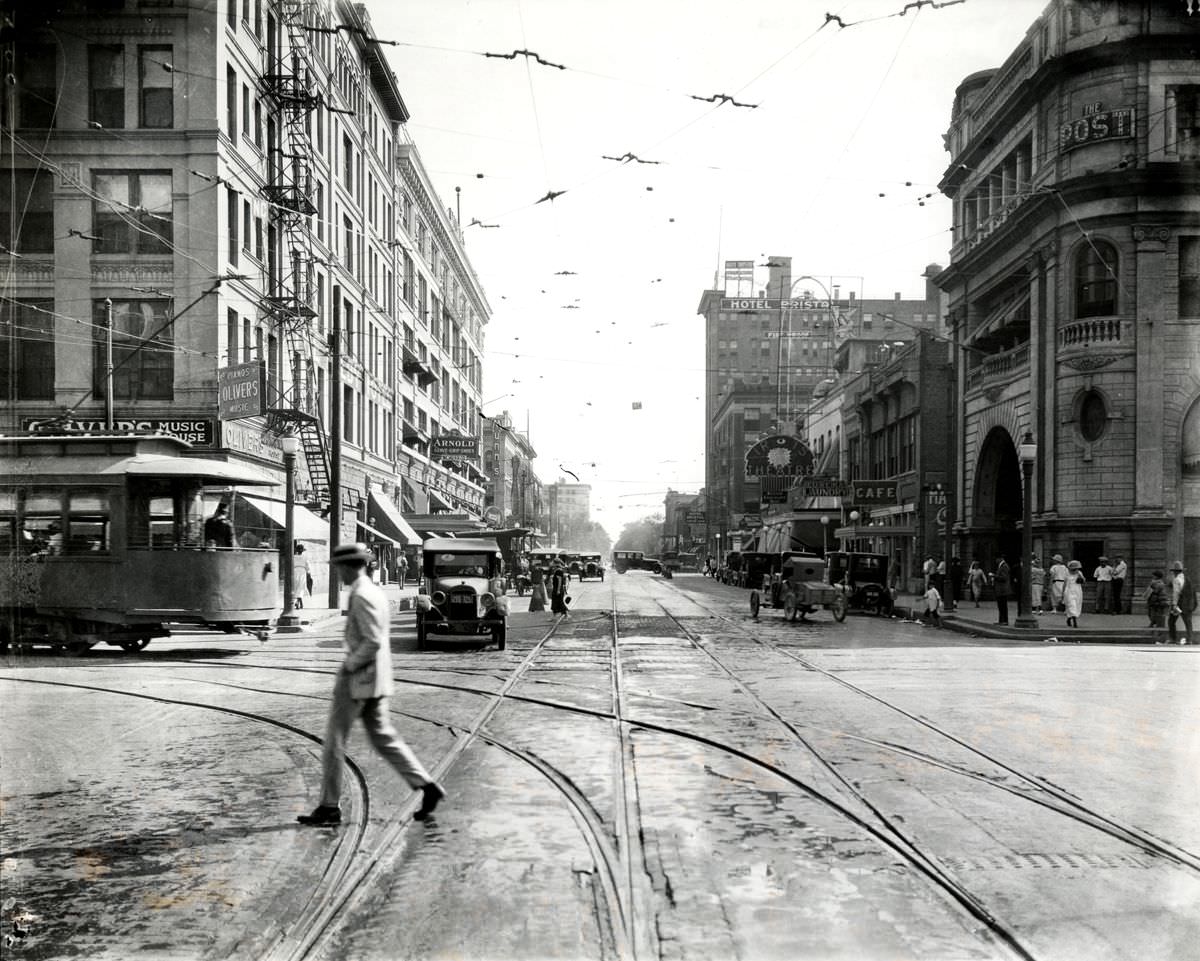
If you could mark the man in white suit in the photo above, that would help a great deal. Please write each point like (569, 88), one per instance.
(362, 688)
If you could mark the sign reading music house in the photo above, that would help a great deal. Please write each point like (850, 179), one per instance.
(453, 447)
(241, 390)
(200, 433)
(1095, 125)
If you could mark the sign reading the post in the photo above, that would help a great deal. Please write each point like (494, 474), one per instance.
(872, 493)
(1095, 125)
(779, 455)
(241, 390)
(452, 447)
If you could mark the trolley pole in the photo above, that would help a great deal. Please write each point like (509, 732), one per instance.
(335, 441)
(108, 363)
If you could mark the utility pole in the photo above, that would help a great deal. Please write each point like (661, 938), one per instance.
(108, 364)
(335, 440)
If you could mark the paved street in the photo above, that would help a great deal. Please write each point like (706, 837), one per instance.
(656, 776)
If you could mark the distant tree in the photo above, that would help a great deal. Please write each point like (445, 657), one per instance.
(588, 536)
(641, 535)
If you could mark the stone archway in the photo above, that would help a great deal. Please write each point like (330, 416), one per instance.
(998, 506)
(1189, 489)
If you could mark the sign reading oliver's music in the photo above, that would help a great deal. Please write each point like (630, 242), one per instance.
(453, 447)
(241, 390)
(867, 493)
(1095, 125)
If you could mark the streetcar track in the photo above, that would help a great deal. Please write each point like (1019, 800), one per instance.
(1069, 805)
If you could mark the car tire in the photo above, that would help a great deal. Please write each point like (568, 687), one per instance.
(790, 610)
(839, 607)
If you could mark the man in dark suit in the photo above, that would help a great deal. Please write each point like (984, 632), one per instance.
(1002, 588)
(362, 689)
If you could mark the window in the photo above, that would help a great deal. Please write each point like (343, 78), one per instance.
(1096, 280)
(132, 213)
(42, 520)
(87, 523)
(247, 225)
(258, 123)
(1187, 122)
(143, 350)
(27, 211)
(37, 87)
(246, 111)
(348, 163)
(247, 342)
(106, 72)
(27, 349)
(348, 253)
(231, 88)
(1189, 277)
(231, 216)
(348, 414)
(258, 238)
(156, 106)
(1093, 416)
(231, 335)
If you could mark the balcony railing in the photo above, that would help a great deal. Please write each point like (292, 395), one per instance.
(1087, 333)
(999, 365)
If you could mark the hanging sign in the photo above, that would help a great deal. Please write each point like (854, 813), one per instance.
(779, 455)
(452, 447)
(241, 390)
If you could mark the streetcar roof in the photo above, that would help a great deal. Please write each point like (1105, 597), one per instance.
(462, 545)
(18, 467)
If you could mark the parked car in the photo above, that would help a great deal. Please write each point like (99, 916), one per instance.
(462, 597)
(799, 586)
(864, 579)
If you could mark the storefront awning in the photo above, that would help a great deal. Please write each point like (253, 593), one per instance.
(376, 535)
(439, 501)
(306, 526)
(386, 517)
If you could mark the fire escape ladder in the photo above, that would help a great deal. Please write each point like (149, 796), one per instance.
(289, 89)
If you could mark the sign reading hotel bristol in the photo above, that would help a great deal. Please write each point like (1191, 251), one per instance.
(769, 303)
(779, 455)
(454, 448)
(241, 390)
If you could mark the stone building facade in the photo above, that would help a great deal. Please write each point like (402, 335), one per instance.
(1074, 287)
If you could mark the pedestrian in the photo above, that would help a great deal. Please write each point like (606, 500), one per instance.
(1103, 578)
(928, 568)
(362, 689)
(401, 569)
(1002, 587)
(1120, 569)
(1183, 601)
(1037, 583)
(938, 578)
(933, 606)
(1073, 593)
(976, 579)
(301, 575)
(537, 589)
(1058, 584)
(1157, 599)
(954, 586)
(218, 530)
(558, 589)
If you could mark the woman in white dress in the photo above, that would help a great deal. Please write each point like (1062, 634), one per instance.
(300, 575)
(1073, 595)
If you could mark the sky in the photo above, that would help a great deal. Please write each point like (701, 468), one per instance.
(833, 160)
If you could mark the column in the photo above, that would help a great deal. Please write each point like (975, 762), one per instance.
(1150, 243)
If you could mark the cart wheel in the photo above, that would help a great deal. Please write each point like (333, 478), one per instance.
(789, 608)
(839, 607)
(754, 602)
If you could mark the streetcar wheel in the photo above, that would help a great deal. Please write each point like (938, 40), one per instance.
(135, 645)
(839, 607)
(754, 603)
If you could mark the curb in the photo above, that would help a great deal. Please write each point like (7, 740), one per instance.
(1065, 635)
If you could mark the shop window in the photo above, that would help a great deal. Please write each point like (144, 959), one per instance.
(1189, 277)
(27, 349)
(143, 349)
(1096, 280)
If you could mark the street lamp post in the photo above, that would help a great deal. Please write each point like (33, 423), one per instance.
(289, 443)
(825, 533)
(1027, 455)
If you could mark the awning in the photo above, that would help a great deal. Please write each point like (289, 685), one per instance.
(376, 535)
(306, 526)
(385, 515)
(438, 501)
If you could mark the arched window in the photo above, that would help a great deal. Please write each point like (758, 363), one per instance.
(1096, 280)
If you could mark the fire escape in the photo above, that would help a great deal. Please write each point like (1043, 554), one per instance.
(289, 90)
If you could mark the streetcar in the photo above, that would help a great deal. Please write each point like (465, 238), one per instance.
(103, 540)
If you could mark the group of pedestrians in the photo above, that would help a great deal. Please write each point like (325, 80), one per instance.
(549, 585)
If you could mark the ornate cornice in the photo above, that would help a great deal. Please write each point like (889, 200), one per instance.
(1089, 362)
(1151, 233)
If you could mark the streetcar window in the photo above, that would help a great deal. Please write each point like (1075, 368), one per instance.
(8, 521)
(87, 523)
(162, 522)
(42, 532)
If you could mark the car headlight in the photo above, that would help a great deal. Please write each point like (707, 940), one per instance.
(502, 605)
(487, 600)
(423, 602)
(439, 598)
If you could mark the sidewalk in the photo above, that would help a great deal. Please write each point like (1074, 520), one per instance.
(1093, 628)
(315, 613)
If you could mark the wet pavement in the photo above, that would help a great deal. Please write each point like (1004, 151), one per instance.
(660, 777)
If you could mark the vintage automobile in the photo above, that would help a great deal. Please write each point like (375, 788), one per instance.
(863, 577)
(593, 566)
(627, 561)
(574, 562)
(652, 564)
(731, 569)
(757, 568)
(798, 585)
(462, 596)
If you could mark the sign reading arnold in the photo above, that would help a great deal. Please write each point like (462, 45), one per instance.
(779, 455)
(241, 390)
(452, 447)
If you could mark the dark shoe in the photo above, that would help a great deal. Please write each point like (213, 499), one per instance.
(321, 815)
(432, 794)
